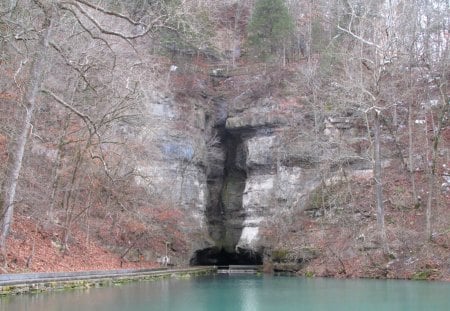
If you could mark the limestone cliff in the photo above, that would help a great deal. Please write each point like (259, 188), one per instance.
(262, 167)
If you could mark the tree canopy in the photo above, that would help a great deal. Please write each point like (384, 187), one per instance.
(270, 26)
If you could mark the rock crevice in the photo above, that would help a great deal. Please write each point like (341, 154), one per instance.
(263, 170)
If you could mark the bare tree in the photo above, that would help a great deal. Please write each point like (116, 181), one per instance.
(29, 102)
(442, 122)
(436, 57)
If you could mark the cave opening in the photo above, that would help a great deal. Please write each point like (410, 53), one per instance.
(225, 213)
(220, 257)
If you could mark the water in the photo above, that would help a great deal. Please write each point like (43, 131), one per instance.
(243, 293)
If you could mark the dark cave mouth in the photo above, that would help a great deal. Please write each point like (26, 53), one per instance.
(220, 257)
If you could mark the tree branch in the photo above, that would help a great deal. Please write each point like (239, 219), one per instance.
(68, 63)
(102, 160)
(91, 34)
(115, 33)
(107, 12)
(348, 31)
(87, 120)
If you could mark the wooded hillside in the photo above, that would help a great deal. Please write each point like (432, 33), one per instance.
(137, 128)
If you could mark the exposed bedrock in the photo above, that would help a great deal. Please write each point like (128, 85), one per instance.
(264, 168)
(233, 169)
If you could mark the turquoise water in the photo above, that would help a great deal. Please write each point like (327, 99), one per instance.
(243, 293)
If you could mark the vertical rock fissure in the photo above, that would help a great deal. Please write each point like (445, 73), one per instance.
(230, 203)
(225, 214)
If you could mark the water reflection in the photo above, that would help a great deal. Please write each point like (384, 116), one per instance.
(246, 293)
(249, 297)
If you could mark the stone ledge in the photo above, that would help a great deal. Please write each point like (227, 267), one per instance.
(255, 120)
(13, 284)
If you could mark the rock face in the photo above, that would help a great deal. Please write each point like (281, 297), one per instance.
(232, 169)
(173, 163)
(269, 170)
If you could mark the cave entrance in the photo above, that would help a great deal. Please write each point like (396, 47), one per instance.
(225, 212)
(220, 257)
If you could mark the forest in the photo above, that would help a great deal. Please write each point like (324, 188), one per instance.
(308, 136)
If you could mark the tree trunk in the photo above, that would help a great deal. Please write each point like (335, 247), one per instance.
(410, 156)
(56, 171)
(16, 156)
(442, 121)
(67, 201)
(431, 182)
(378, 183)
